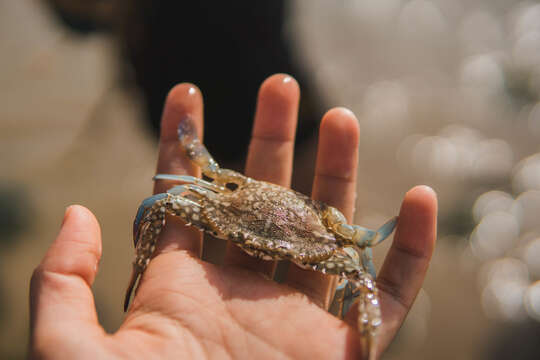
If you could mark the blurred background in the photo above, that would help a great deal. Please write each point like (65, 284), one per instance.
(447, 93)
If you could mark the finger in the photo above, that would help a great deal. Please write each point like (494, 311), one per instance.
(61, 300)
(335, 185)
(270, 155)
(405, 266)
(271, 150)
(184, 100)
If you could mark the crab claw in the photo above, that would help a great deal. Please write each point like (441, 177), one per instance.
(195, 150)
(368, 238)
(384, 231)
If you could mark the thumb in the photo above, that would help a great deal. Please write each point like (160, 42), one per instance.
(61, 300)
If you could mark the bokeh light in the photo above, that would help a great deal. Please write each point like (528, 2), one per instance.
(527, 174)
(505, 282)
(531, 256)
(526, 208)
(457, 153)
(496, 233)
(491, 201)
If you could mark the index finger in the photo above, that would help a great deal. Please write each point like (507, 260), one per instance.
(184, 100)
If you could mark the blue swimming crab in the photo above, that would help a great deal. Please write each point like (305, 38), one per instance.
(266, 221)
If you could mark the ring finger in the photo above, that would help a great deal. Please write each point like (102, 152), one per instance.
(335, 185)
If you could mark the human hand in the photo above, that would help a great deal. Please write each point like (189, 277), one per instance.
(187, 308)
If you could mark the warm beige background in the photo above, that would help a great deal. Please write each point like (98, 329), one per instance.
(70, 133)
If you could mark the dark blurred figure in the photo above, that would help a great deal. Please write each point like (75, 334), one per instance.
(84, 16)
(225, 48)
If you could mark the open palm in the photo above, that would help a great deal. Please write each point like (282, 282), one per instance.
(188, 308)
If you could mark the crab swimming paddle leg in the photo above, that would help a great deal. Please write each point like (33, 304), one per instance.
(149, 222)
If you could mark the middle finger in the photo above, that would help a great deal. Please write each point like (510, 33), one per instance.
(271, 150)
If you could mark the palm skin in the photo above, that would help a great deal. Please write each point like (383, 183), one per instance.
(187, 308)
(222, 312)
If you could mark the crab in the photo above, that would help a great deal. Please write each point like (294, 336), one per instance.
(266, 221)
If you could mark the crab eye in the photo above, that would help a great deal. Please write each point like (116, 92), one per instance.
(206, 178)
(231, 186)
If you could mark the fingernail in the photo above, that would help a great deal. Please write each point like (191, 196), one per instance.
(425, 188)
(346, 111)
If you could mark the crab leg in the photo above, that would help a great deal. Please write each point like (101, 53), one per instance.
(341, 264)
(362, 287)
(346, 293)
(201, 191)
(148, 224)
(191, 189)
(344, 297)
(198, 153)
(338, 302)
(191, 180)
(367, 261)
